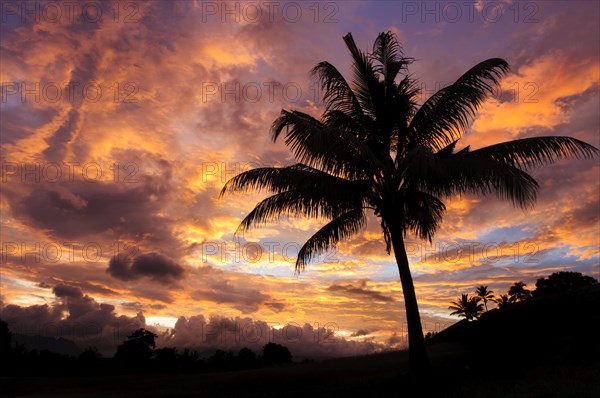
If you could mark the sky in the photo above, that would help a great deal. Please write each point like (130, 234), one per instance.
(121, 122)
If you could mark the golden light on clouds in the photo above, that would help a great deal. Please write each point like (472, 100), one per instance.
(166, 121)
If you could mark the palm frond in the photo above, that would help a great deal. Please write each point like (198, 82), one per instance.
(305, 203)
(462, 174)
(342, 227)
(337, 93)
(446, 114)
(281, 179)
(422, 213)
(367, 87)
(325, 146)
(532, 152)
(388, 53)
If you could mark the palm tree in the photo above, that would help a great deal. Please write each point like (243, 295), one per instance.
(486, 295)
(518, 292)
(374, 149)
(504, 300)
(467, 307)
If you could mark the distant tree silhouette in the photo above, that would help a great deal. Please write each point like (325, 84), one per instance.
(375, 149)
(518, 292)
(166, 355)
(562, 281)
(221, 360)
(276, 354)
(467, 307)
(247, 358)
(139, 345)
(90, 354)
(504, 300)
(5, 338)
(486, 295)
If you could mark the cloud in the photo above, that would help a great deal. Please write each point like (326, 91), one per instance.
(155, 266)
(67, 291)
(220, 289)
(74, 316)
(275, 306)
(396, 340)
(358, 289)
(360, 332)
(196, 332)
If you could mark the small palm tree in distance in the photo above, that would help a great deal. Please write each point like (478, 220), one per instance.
(504, 300)
(518, 292)
(467, 307)
(486, 295)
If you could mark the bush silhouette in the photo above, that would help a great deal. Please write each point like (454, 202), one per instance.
(561, 281)
(139, 346)
(247, 358)
(5, 338)
(276, 354)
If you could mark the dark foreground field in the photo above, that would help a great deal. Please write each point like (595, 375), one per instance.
(372, 376)
(539, 348)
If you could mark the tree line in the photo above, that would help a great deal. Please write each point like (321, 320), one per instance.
(136, 354)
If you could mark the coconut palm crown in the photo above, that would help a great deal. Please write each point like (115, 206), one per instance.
(375, 149)
(486, 295)
(467, 307)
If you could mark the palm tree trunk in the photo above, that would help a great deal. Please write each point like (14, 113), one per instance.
(417, 354)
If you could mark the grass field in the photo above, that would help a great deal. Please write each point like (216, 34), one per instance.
(371, 376)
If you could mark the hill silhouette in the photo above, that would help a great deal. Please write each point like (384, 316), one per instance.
(561, 325)
(544, 347)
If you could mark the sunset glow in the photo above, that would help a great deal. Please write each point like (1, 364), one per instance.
(118, 134)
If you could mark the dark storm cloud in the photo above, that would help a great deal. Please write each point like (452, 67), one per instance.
(83, 208)
(242, 298)
(87, 322)
(196, 332)
(359, 290)
(155, 266)
(97, 324)
(360, 332)
(67, 291)
(78, 209)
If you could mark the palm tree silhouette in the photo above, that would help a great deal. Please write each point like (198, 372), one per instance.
(374, 149)
(467, 307)
(486, 295)
(518, 292)
(504, 300)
